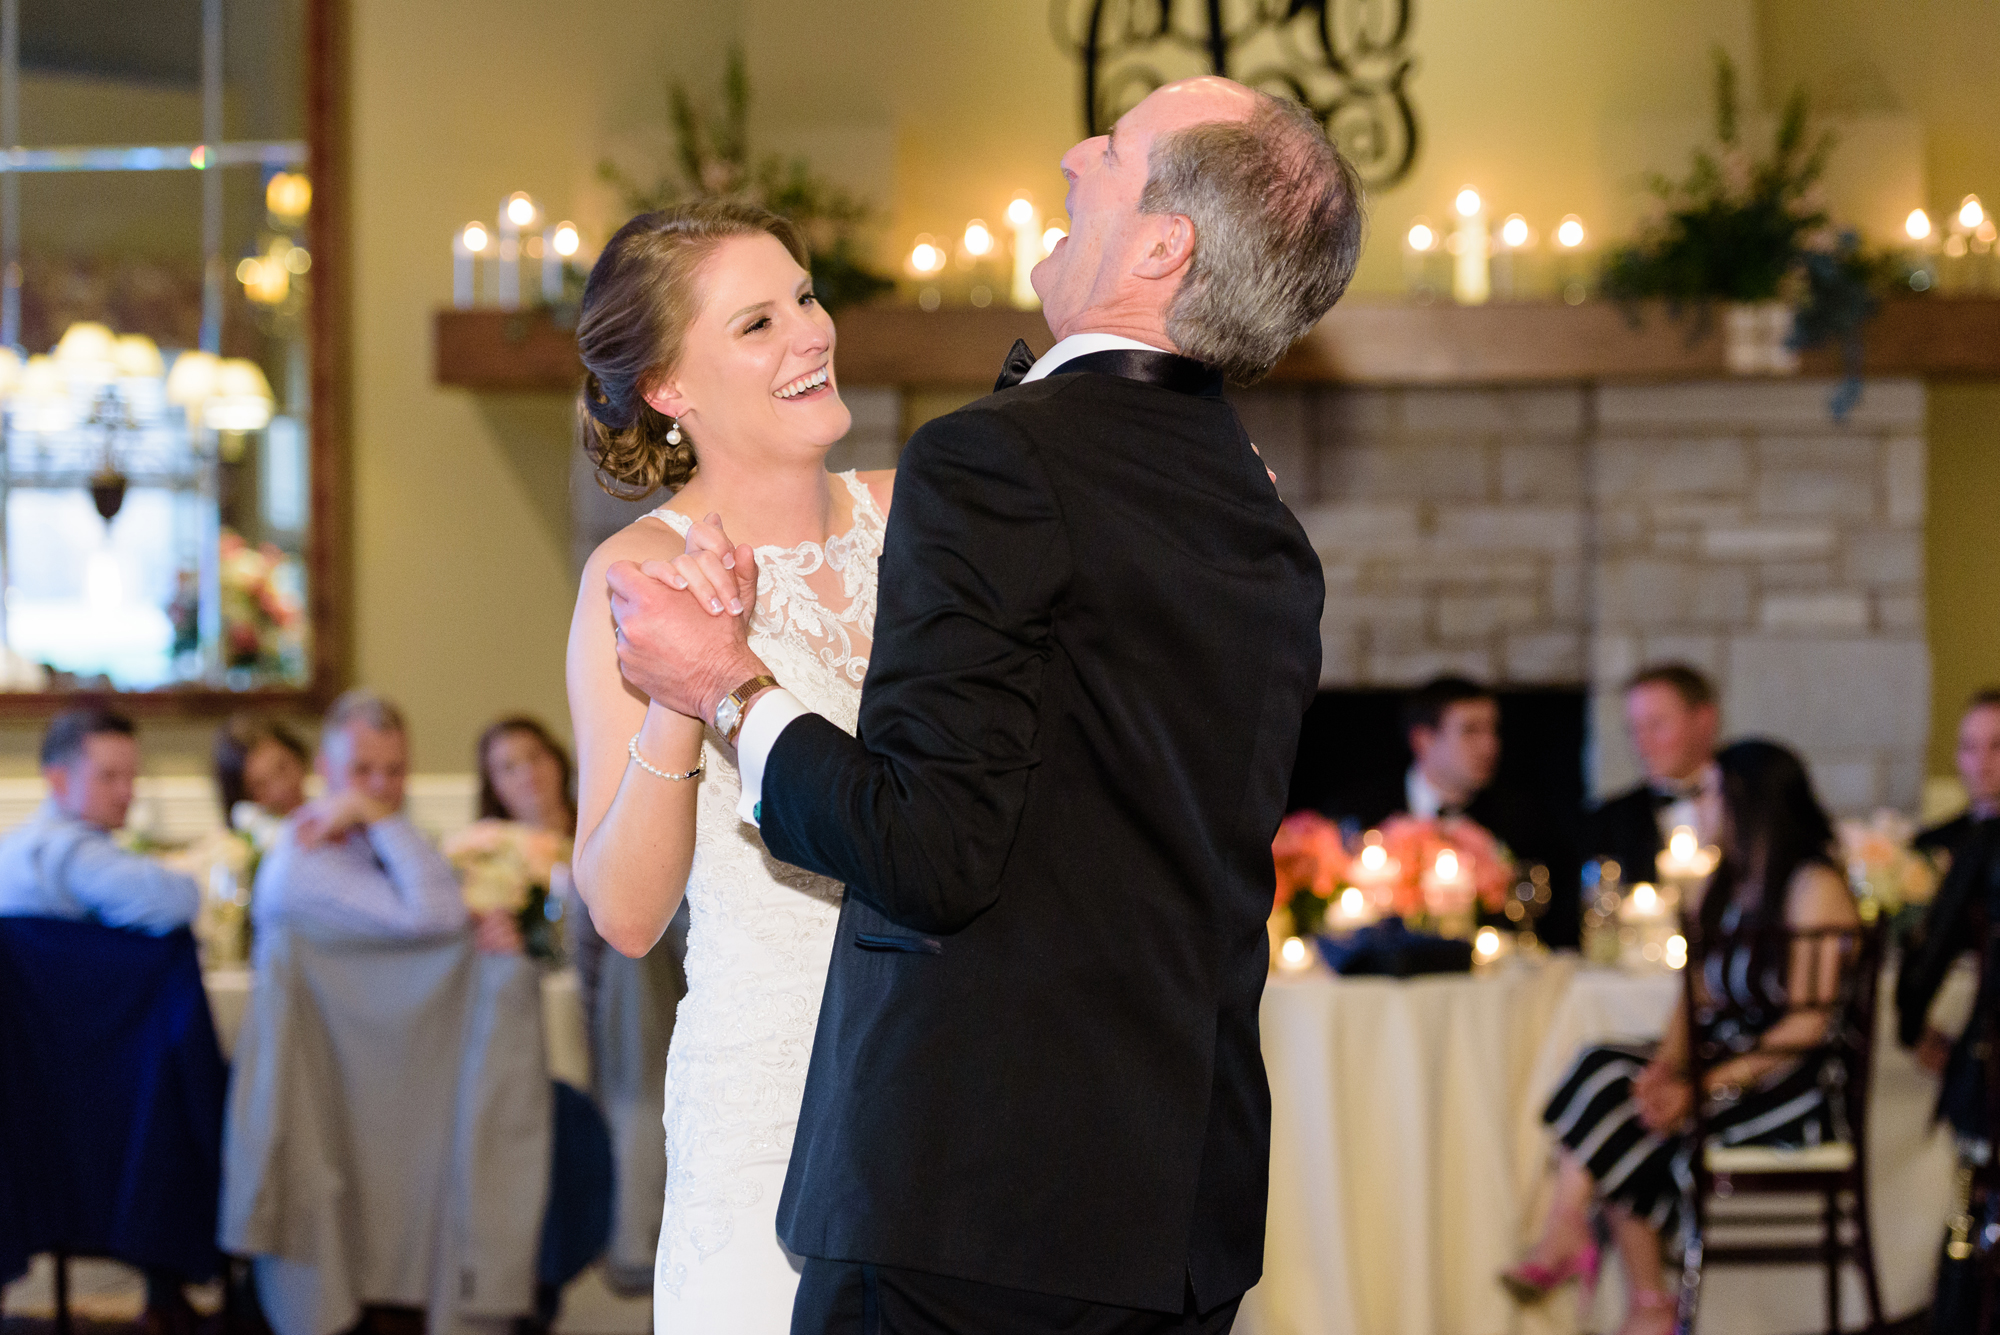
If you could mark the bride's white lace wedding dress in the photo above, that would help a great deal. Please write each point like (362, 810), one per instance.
(760, 933)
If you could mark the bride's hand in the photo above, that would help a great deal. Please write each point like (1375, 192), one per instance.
(721, 577)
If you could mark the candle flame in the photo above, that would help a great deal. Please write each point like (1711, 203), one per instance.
(566, 239)
(1682, 844)
(1352, 902)
(1677, 951)
(474, 237)
(1374, 857)
(1971, 213)
(1021, 212)
(1569, 232)
(1514, 231)
(1049, 239)
(520, 208)
(1918, 225)
(1645, 898)
(1293, 953)
(1487, 943)
(1467, 202)
(926, 257)
(1422, 237)
(1447, 865)
(978, 239)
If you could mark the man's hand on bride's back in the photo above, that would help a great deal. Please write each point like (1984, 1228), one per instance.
(670, 645)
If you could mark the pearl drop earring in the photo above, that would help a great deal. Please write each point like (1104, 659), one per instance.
(674, 434)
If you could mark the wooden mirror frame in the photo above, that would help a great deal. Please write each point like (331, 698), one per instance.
(328, 571)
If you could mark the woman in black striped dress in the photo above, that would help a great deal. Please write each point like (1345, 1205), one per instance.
(1620, 1113)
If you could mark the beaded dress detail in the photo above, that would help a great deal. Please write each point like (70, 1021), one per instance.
(760, 934)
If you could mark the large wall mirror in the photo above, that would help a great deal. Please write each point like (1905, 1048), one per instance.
(169, 459)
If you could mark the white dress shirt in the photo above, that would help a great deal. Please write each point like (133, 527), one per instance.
(56, 866)
(775, 710)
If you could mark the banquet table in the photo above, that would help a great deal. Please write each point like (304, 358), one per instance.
(563, 1022)
(1408, 1162)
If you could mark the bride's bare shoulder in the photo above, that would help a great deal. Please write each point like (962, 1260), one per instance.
(644, 539)
(881, 484)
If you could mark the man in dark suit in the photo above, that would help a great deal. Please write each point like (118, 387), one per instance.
(1452, 725)
(1978, 768)
(1673, 719)
(1037, 1101)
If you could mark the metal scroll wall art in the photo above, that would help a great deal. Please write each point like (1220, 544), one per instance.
(1349, 60)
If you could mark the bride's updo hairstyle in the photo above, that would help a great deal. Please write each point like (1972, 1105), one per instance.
(644, 293)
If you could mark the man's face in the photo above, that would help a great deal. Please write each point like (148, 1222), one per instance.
(1107, 174)
(1979, 756)
(96, 787)
(1673, 738)
(366, 760)
(1461, 754)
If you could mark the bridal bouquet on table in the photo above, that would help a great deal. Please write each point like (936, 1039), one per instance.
(1887, 873)
(505, 866)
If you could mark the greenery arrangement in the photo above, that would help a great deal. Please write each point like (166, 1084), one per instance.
(1741, 229)
(715, 162)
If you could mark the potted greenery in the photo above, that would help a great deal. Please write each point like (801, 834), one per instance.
(1754, 236)
(715, 163)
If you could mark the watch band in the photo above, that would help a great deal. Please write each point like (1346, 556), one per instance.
(728, 721)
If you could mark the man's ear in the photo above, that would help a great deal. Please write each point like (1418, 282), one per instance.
(1169, 248)
(57, 778)
(666, 399)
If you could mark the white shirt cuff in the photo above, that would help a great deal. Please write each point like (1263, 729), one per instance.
(769, 716)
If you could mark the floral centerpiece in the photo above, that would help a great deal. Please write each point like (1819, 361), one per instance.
(507, 867)
(224, 864)
(1311, 864)
(1889, 876)
(261, 614)
(1437, 871)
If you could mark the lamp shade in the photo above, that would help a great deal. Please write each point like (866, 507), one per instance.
(86, 352)
(137, 357)
(242, 400)
(191, 380)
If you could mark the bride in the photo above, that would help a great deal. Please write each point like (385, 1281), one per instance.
(710, 372)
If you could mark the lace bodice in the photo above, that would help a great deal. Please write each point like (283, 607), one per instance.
(759, 931)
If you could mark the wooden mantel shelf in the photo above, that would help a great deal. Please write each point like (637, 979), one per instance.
(1361, 343)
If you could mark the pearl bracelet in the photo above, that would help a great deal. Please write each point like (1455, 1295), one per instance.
(632, 750)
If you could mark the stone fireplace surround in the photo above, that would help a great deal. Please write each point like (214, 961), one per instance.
(1562, 535)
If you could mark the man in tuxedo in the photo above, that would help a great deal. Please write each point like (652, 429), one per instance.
(1452, 726)
(1978, 768)
(1673, 719)
(1036, 1100)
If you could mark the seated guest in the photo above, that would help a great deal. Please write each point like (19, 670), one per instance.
(1978, 768)
(1452, 726)
(1958, 925)
(1672, 717)
(1620, 1113)
(63, 862)
(350, 859)
(260, 775)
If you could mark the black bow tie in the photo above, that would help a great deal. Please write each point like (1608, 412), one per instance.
(1015, 369)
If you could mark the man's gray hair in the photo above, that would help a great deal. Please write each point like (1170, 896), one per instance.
(365, 707)
(1277, 214)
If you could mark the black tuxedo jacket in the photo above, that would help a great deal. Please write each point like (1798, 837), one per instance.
(1961, 918)
(1626, 829)
(1528, 828)
(1037, 1063)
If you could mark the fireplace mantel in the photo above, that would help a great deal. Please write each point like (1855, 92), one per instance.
(1361, 343)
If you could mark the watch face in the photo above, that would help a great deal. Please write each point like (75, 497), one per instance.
(726, 715)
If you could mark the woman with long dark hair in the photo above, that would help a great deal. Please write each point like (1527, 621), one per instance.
(1620, 1114)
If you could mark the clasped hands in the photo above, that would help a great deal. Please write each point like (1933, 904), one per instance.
(683, 626)
(1665, 1098)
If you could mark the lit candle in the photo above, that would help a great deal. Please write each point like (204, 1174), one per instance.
(1448, 894)
(1488, 946)
(1643, 905)
(1510, 261)
(559, 244)
(517, 215)
(466, 248)
(1420, 244)
(1923, 239)
(1471, 277)
(1571, 281)
(1026, 223)
(1374, 873)
(1352, 909)
(1294, 956)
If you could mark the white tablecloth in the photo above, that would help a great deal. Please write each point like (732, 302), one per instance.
(563, 1021)
(1408, 1162)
